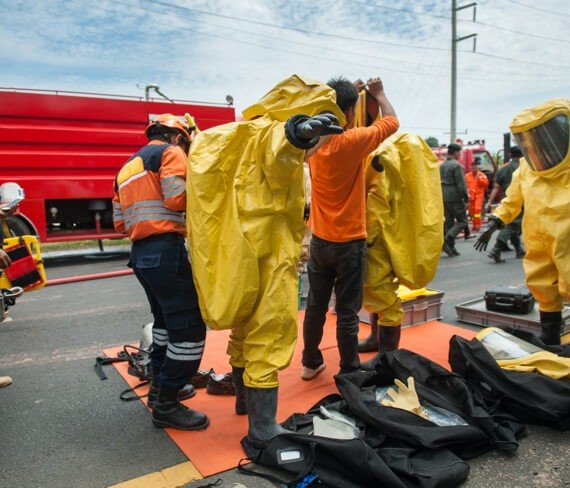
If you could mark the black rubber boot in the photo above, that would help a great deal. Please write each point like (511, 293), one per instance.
(239, 387)
(370, 344)
(261, 410)
(448, 246)
(388, 340)
(187, 392)
(551, 324)
(520, 252)
(495, 254)
(169, 412)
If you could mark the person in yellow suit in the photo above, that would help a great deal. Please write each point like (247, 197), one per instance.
(245, 222)
(542, 185)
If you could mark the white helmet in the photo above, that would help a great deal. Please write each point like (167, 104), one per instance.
(11, 194)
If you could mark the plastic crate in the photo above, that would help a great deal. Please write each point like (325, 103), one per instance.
(475, 312)
(417, 310)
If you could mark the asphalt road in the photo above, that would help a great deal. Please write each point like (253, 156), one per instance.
(60, 426)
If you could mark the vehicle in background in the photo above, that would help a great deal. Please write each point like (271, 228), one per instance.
(470, 151)
(64, 149)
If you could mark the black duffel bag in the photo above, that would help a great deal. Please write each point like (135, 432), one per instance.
(352, 463)
(437, 387)
(530, 397)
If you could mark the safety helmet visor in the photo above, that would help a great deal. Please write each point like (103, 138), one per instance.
(546, 145)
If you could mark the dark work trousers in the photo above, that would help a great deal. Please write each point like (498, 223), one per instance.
(455, 220)
(162, 267)
(338, 265)
(511, 232)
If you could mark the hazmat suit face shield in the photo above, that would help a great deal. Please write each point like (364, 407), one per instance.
(543, 134)
(502, 345)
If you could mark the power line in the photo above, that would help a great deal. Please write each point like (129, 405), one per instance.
(295, 29)
(386, 7)
(519, 61)
(354, 53)
(526, 34)
(324, 34)
(336, 49)
(538, 8)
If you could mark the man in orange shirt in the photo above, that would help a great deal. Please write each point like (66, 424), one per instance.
(149, 205)
(338, 226)
(477, 183)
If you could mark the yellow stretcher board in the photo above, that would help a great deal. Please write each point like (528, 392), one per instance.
(27, 268)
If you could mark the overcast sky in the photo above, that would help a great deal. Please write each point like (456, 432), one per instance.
(204, 50)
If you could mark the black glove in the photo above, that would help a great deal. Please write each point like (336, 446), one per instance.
(303, 131)
(486, 233)
(306, 212)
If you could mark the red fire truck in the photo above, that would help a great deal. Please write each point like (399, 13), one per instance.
(64, 149)
(469, 152)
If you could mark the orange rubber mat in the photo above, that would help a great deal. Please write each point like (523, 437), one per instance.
(218, 447)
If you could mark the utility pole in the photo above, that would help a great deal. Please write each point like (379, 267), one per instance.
(454, 41)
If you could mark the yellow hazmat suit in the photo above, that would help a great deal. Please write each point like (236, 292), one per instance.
(542, 185)
(404, 222)
(514, 354)
(245, 192)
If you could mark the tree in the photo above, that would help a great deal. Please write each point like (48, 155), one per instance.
(432, 141)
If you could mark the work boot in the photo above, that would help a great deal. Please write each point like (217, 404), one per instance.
(495, 254)
(551, 324)
(169, 412)
(371, 342)
(187, 392)
(448, 248)
(455, 252)
(520, 252)
(239, 387)
(261, 411)
(388, 340)
(5, 381)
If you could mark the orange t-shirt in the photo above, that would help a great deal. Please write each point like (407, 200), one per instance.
(338, 193)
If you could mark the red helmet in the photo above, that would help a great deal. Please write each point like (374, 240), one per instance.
(168, 120)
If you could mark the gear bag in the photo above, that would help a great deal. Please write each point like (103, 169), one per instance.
(530, 397)
(352, 463)
(437, 388)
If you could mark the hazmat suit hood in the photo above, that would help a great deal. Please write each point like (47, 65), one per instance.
(296, 95)
(543, 134)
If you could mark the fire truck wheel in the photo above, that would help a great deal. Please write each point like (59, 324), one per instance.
(19, 227)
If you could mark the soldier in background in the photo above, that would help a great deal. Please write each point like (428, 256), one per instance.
(512, 231)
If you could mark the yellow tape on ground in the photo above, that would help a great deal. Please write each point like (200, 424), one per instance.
(172, 477)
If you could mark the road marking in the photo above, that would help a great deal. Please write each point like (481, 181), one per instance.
(172, 477)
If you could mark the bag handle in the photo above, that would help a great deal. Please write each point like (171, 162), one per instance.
(275, 479)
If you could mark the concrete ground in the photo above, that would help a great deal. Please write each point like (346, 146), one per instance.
(60, 426)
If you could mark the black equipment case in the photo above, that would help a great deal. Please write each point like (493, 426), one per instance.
(509, 299)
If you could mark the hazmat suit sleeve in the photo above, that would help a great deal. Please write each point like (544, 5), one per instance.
(511, 206)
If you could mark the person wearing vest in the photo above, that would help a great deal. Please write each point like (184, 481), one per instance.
(149, 205)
